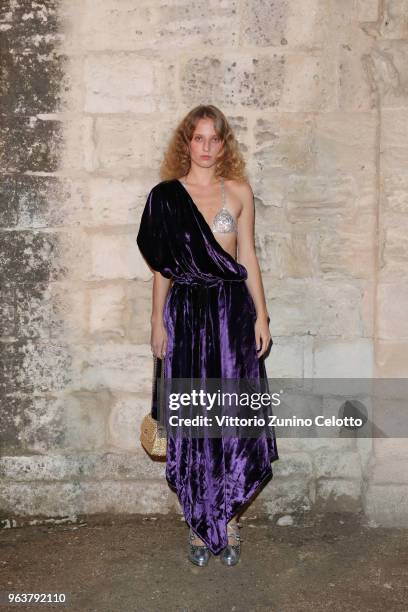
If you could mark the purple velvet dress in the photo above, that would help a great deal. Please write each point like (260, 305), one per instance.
(209, 316)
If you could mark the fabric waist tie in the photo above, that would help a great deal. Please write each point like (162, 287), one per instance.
(204, 282)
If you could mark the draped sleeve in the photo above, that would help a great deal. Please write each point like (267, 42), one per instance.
(175, 239)
(154, 235)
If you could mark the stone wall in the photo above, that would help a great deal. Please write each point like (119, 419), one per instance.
(316, 92)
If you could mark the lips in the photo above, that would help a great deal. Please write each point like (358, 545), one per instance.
(205, 157)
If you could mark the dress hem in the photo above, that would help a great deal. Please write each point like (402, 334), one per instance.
(266, 474)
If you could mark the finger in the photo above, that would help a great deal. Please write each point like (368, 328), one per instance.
(265, 344)
(257, 341)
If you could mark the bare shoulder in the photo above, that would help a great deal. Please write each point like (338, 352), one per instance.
(242, 190)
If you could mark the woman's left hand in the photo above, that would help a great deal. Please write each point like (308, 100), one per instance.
(262, 335)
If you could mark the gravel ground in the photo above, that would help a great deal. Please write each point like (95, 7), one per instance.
(121, 564)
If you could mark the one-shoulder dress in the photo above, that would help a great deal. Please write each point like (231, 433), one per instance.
(209, 316)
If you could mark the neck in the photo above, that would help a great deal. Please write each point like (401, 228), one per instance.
(202, 177)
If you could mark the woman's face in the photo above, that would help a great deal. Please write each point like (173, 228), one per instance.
(205, 145)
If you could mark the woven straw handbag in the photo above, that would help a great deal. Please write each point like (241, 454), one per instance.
(152, 433)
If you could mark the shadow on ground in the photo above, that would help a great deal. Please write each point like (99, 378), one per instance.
(321, 562)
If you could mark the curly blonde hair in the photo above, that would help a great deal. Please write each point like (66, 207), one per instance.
(177, 162)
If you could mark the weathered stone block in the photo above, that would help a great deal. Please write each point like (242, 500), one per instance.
(36, 314)
(74, 422)
(392, 358)
(296, 465)
(128, 82)
(116, 256)
(14, 411)
(28, 19)
(139, 297)
(126, 26)
(291, 255)
(390, 412)
(214, 70)
(392, 308)
(29, 201)
(390, 449)
(294, 23)
(394, 23)
(125, 419)
(30, 144)
(7, 310)
(367, 10)
(319, 199)
(290, 82)
(288, 446)
(298, 306)
(286, 358)
(390, 471)
(84, 420)
(123, 144)
(34, 75)
(394, 197)
(282, 496)
(69, 308)
(30, 366)
(348, 251)
(129, 198)
(335, 464)
(344, 359)
(8, 202)
(141, 497)
(59, 499)
(120, 367)
(80, 466)
(48, 498)
(394, 129)
(79, 153)
(337, 495)
(284, 140)
(345, 145)
(76, 250)
(30, 256)
(388, 69)
(355, 86)
(386, 504)
(394, 252)
(44, 311)
(107, 311)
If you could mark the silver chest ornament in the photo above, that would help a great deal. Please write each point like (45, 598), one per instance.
(223, 222)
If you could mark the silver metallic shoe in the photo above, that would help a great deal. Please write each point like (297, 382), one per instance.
(232, 552)
(197, 554)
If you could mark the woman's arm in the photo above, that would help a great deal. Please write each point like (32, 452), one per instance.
(247, 257)
(158, 339)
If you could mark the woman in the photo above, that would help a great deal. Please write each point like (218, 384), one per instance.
(209, 318)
